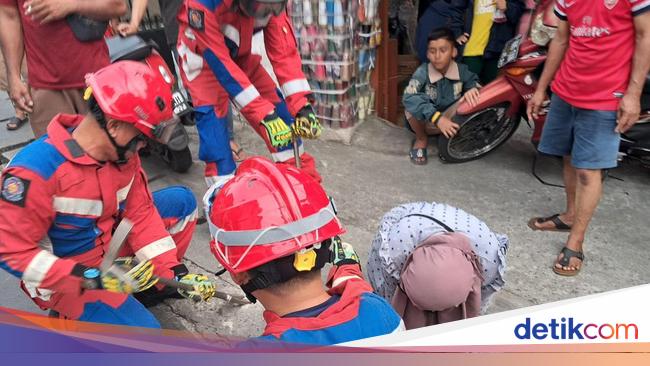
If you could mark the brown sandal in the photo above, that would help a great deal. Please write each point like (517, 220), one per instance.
(15, 123)
(567, 254)
(559, 225)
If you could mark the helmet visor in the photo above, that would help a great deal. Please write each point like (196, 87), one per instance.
(164, 131)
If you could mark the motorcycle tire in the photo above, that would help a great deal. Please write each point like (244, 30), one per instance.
(479, 134)
(180, 161)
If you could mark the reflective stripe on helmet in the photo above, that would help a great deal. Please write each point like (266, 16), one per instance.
(274, 234)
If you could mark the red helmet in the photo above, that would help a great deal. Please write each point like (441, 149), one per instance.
(133, 92)
(268, 211)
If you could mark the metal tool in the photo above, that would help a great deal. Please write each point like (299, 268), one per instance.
(296, 149)
(235, 300)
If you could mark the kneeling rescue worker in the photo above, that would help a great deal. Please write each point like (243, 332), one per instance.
(65, 195)
(273, 229)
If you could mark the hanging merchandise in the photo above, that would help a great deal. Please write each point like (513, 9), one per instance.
(337, 40)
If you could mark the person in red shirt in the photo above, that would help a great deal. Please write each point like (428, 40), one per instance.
(599, 57)
(56, 59)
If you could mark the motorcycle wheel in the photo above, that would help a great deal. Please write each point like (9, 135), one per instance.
(479, 134)
(180, 161)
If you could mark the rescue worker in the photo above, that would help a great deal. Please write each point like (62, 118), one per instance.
(64, 194)
(214, 47)
(273, 229)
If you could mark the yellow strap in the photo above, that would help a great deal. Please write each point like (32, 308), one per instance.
(435, 117)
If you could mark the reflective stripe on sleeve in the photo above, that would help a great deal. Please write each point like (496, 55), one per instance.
(156, 248)
(295, 86)
(38, 268)
(246, 96)
(78, 206)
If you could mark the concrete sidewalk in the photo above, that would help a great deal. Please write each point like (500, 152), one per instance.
(374, 174)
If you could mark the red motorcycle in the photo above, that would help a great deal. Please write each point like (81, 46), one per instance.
(502, 104)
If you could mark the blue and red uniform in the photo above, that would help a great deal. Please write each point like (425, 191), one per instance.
(214, 47)
(353, 312)
(59, 207)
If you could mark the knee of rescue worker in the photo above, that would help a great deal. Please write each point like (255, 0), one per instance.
(441, 283)
(174, 201)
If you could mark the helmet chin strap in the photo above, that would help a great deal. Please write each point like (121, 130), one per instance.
(101, 119)
(131, 146)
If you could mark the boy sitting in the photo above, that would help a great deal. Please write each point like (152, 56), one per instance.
(435, 86)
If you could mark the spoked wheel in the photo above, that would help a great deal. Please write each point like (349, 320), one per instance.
(479, 134)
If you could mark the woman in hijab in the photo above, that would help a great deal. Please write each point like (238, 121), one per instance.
(436, 263)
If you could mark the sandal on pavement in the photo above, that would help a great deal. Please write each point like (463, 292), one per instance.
(16, 123)
(567, 254)
(559, 225)
(418, 156)
(235, 155)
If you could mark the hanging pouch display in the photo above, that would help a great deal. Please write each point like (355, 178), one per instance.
(86, 29)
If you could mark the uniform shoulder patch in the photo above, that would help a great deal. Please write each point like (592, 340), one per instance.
(196, 19)
(14, 189)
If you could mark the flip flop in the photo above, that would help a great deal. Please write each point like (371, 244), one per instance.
(555, 219)
(235, 155)
(564, 262)
(418, 156)
(15, 123)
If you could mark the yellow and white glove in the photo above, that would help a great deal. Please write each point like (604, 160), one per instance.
(342, 253)
(203, 288)
(126, 275)
(306, 124)
(277, 130)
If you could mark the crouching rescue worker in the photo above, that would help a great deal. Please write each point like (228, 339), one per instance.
(436, 263)
(64, 195)
(273, 229)
(214, 47)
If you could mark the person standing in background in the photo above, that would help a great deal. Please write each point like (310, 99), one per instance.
(52, 33)
(598, 62)
(489, 24)
(20, 117)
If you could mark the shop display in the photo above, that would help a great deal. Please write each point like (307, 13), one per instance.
(337, 40)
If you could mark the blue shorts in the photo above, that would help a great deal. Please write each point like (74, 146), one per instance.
(586, 135)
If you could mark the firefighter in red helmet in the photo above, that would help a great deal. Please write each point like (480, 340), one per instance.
(274, 228)
(65, 194)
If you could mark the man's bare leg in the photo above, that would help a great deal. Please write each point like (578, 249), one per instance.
(589, 188)
(569, 176)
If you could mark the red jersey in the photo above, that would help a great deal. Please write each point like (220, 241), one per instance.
(598, 61)
(55, 58)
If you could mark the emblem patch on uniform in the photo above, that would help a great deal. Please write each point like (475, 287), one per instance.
(14, 189)
(196, 19)
(610, 4)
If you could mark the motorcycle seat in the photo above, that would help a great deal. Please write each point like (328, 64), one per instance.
(131, 48)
